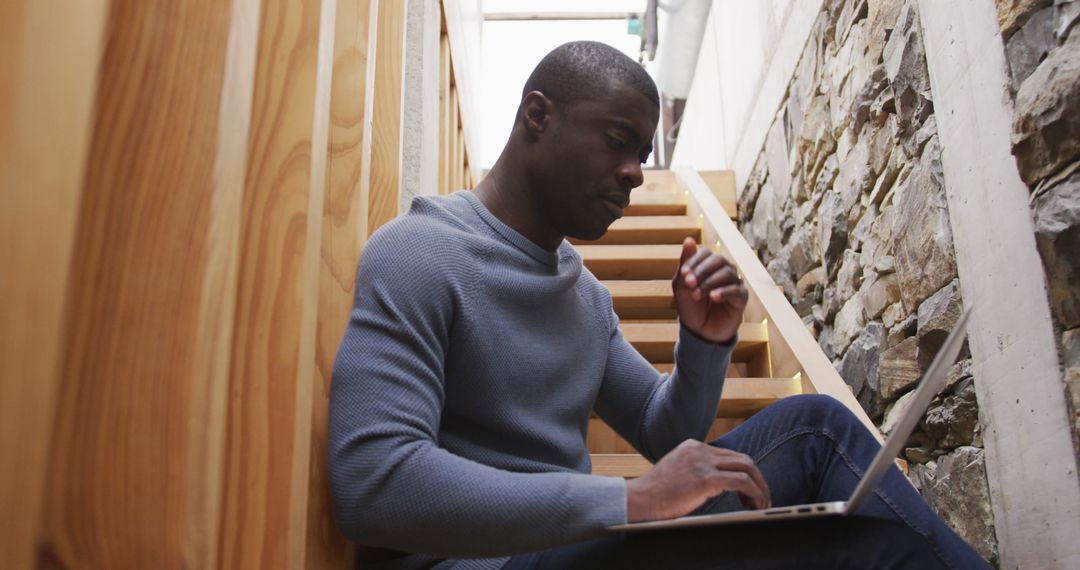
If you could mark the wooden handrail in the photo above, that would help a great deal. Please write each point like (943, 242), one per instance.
(793, 350)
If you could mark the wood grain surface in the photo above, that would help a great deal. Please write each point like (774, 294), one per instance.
(459, 162)
(343, 237)
(445, 112)
(455, 141)
(49, 53)
(267, 442)
(722, 184)
(214, 330)
(188, 189)
(133, 425)
(386, 118)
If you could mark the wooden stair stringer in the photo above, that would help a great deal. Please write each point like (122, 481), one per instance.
(793, 349)
(636, 261)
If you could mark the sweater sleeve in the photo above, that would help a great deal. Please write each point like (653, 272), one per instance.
(392, 485)
(656, 412)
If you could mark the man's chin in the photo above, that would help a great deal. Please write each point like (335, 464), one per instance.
(590, 234)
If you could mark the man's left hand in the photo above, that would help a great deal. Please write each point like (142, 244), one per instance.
(709, 295)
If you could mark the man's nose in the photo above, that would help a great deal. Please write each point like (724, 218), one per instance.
(630, 175)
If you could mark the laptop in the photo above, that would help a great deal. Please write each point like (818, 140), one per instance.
(931, 383)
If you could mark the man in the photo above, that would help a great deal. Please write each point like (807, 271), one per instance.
(478, 347)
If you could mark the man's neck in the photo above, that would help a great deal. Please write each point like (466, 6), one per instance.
(509, 199)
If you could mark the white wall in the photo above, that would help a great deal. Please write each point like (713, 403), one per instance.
(701, 140)
(512, 50)
(748, 56)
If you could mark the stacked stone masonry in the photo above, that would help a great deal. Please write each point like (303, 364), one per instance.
(1043, 54)
(846, 207)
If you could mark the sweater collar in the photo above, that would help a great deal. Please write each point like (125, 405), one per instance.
(511, 235)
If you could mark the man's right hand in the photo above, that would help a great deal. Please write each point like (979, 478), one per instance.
(689, 475)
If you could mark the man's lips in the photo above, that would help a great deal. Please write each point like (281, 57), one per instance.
(620, 200)
(615, 204)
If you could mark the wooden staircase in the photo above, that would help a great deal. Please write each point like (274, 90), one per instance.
(636, 260)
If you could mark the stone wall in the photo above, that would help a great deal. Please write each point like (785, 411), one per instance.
(1044, 66)
(846, 206)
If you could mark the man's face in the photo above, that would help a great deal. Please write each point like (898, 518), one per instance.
(591, 159)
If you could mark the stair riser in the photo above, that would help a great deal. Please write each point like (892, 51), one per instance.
(662, 351)
(642, 237)
(656, 341)
(636, 260)
(655, 210)
(642, 300)
(603, 439)
(636, 309)
(656, 268)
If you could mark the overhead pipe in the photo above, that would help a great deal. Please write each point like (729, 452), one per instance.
(680, 44)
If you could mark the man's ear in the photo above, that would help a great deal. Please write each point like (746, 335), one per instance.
(536, 111)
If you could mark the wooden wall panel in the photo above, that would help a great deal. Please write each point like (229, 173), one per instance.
(445, 115)
(49, 53)
(137, 420)
(305, 410)
(454, 142)
(387, 115)
(264, 511)
(181, 320)
(214, 329)
(343, 238)
(459, 159)
(464, 20)
(456, 170)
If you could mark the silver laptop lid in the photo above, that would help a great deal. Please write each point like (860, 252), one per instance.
(931, 383)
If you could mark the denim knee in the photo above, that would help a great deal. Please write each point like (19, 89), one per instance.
(819, 410)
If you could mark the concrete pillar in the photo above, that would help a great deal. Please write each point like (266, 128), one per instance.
(420, 98)
(1034, 490)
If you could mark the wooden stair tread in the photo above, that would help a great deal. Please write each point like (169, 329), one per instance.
(619, 464)
(647, 230)
(656, 341)
(629, 252)
(635, 260)
(656, 203)
(630, 288)
(642, 299)
(735, 369)
(631, 261)
(617, 458)
(744, 397)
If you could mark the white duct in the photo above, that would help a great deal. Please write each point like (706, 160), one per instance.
(680, 43)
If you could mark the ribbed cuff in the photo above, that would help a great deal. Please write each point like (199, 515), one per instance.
(697, 358)
(599, 501)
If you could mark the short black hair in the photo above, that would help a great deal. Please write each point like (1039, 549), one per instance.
(578, 71)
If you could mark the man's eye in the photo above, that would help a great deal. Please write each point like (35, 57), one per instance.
(616, 142)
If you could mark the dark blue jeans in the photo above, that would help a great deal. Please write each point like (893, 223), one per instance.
(810, 449)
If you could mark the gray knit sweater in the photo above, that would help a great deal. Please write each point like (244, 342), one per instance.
(463, 387)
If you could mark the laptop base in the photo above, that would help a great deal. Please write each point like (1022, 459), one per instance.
(814, 510)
